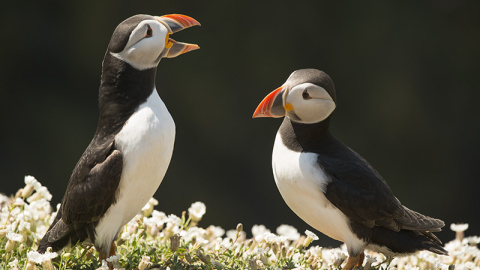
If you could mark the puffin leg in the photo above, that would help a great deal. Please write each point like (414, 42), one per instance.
(360, 261)
(354, 261)
(113, 248)
(104, 257)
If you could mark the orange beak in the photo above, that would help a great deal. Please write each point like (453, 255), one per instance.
(175, 23)
(272, 104)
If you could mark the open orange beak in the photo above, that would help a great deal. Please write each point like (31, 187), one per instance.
(175, 23)
(272, 104)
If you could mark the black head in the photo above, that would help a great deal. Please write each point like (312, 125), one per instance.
(142, 40)
(314, 76)
(308, 96)
(122, 33)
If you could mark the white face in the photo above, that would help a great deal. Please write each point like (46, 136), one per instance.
(308, 103)
(145, 45)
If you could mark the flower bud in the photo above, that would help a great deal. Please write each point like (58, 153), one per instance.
(10, 245)
(175, 242)
(283, 252)
(188, 257)
(239, 228)
(27, 191)
(252, 264)
(202, 257)
(154, 230)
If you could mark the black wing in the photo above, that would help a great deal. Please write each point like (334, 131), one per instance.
(92, 187)
(361, 193)
(90, 192)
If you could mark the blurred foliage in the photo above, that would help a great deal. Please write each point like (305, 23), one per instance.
(406, 74)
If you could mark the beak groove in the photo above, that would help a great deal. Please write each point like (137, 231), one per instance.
(175, 23)
(271, 105)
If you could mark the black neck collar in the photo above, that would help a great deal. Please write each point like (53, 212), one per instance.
(122, 90)
(306, 137)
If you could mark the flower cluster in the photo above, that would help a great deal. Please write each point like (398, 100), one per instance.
(24, 219)
(155, 240)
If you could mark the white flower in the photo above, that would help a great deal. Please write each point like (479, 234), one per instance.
(36, 257)
(19, 202)
(144, 263)
(45, 193)
(197, 210)
(14, 237)
(473, 240)
(369, 261)
(328, 255)
(174, 219)
(234, 234)
(273, 238)
(156, 220)
(104, 266)
(148, 208)
(42, 192)
(340, 257)
(459, 227)
(3, 199)
(258, 232)
(24, 226)
(216, 231)
(114, 260)
(194, 232)
(13, 264)
(160, 216)
(38, 209)
(226, 243)
(30, 180)
(296, 257)
(459, 230)
(311, 235)
(289, 231)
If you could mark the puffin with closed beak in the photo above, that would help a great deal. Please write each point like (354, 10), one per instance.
(330, 186)
(131, 149)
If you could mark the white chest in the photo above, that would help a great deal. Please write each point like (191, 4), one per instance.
(302, 184)
(146, 142)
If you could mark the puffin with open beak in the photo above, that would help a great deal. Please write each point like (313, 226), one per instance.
(131, 149)
(330, 186)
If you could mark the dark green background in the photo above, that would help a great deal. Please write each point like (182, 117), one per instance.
(406, 74)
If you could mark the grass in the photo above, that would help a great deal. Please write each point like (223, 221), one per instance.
(154, 240)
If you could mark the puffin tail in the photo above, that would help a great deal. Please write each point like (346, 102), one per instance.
(434, 244)
(57, 237)
(407, 241)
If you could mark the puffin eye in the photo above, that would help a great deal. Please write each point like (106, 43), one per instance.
(306, 95)
(149, 31)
